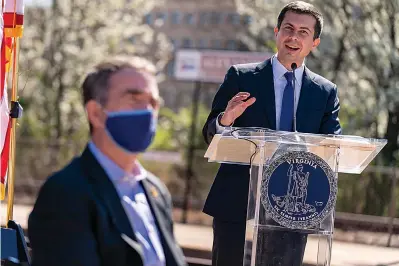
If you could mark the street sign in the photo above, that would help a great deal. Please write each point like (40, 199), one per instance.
(211, 65)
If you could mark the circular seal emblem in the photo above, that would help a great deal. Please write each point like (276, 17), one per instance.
(298, 190)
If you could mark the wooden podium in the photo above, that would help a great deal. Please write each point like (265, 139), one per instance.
(293, 188)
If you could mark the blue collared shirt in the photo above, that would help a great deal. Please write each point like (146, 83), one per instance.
(134, 201)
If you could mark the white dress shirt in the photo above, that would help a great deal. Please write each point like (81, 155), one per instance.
(279, 85)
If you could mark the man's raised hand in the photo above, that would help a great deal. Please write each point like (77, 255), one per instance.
(236, 107)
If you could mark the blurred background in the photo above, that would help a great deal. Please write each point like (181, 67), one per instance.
(359, 51)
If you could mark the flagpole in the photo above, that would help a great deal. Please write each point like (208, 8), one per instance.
(15, 240)
(14, 113)
(11, 165)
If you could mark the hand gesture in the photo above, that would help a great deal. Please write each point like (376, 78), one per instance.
(236, 107)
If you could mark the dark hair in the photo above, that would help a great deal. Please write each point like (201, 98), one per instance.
(96, 84)
(301, 7)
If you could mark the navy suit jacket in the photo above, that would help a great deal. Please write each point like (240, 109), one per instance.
(317, 113)
(78, 219)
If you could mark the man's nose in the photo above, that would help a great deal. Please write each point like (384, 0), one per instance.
(294, 35)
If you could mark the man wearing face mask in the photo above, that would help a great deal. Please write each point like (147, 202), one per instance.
(104, 208)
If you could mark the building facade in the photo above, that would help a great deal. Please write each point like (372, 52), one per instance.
(192, 24)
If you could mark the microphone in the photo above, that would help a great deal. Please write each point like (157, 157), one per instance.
(293, 67)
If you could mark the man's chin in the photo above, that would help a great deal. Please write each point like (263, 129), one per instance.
(289, 56)
(292, 53)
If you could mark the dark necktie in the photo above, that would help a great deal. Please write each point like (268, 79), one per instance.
(287, 107)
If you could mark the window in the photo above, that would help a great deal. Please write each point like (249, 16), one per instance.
(202, 44)
(231, 45)
(170, 68)
(248, 20)
(161, 16)
(204, 18)
(176, 17)
(189, 19)
(216, 18)
(187, 43)
(148, 19)
(175, 43)
(216, 44)
(234, 18)
(356, 12)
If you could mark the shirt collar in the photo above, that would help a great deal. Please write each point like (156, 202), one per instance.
(114, 172)
(279, 70)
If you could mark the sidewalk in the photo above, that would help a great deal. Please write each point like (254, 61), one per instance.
(199, 238)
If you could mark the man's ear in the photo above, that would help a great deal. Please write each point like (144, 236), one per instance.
(95, 114)
(316, 43)
(275, 32)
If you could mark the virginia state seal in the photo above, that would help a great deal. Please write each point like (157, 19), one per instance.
(298, 190)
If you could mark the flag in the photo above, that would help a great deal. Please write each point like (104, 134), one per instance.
(4, 114)
(13, 18)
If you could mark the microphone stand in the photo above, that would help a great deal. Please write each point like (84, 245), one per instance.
(293, 67)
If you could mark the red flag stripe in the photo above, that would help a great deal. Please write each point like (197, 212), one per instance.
(2, 68)
(11, 20)
(5, 154)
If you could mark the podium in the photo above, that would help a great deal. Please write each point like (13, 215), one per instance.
(292, 189)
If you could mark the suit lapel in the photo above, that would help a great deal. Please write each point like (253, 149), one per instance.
(264, 77)
(167, 241)
(105, 190)
(305, 97)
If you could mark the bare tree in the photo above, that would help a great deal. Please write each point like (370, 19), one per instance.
(60, 44)
(359, 51)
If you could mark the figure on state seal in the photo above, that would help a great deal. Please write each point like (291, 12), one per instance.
(294, 202)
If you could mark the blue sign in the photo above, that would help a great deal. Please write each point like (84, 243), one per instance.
(298, 190)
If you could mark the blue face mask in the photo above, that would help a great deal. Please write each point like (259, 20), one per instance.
(133, 131)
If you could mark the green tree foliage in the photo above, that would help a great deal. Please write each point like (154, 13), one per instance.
(174, 127)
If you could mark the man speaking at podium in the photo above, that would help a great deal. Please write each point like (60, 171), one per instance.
(267, 95)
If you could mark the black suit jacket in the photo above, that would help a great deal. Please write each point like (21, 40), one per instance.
(78, 219)
(317, 112)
